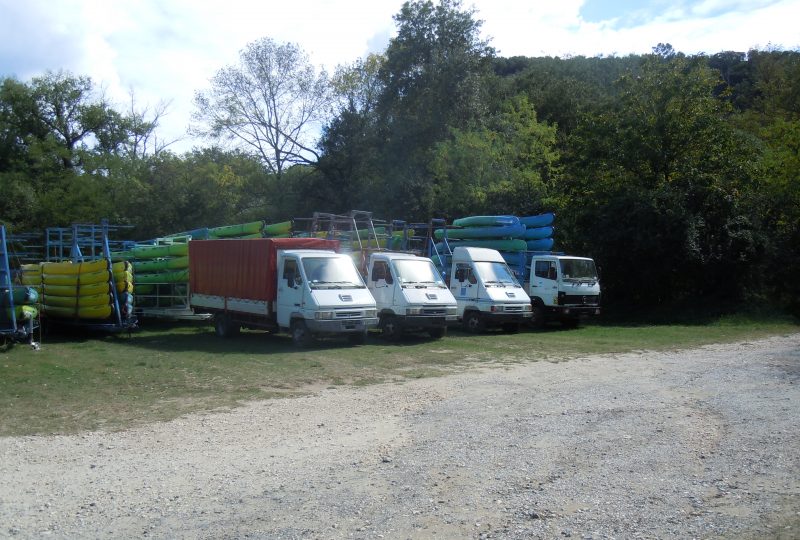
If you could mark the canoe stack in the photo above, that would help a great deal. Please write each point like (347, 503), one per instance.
(512, 236)
(83, 290)
(25, 298)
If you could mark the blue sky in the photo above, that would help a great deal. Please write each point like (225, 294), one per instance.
(165, 50)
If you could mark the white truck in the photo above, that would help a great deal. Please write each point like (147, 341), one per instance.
(299, 285)
(486, 291)
(563, 288)
(410, 295)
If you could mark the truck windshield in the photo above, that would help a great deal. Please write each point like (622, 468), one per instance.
(495, 273)
(578, 269)
(417, 272)
(331, 273)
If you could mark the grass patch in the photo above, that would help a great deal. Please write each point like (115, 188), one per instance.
(161, 372)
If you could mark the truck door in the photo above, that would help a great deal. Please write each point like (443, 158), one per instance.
(544, 281)
(381, 284)
(465, 285)
(290, 290)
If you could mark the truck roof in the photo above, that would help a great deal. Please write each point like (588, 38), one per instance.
(561, 256)
(394, 255)
(475, 254)
(301, 252)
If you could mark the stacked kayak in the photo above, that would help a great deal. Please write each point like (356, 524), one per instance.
(156, 264)
(24, 299)
(512, 236)
(539, 231)
(503, 233)
(85, 290)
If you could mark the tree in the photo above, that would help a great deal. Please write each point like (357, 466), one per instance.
(659, 179)
(437, 76)
(270, 104)
(505, 167)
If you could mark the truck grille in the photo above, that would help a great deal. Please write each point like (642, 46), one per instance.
(513, 308)
(348, 314)
(574, 299)
(432, 311)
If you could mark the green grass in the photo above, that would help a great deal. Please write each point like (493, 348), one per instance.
(159, 373)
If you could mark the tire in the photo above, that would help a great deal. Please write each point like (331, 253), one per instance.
(301, 337)
(511, 328)
(357, 339)
(390, 328)
(437, 333)
(224, 327)
(537, 315)
(473, 322)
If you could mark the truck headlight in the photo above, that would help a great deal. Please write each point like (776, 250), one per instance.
(370, 313)
(527, 307)
(495, 309)
(413, 311)
(323, 315)
(452, 311)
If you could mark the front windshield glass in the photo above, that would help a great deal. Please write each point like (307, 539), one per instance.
(410, 271)
(331, 273)
(578, 269)
(495, 273)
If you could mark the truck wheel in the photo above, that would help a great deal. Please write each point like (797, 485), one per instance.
(224, 327)
(357, 339)
(437, 333)
(473, 322)
(390, 328)
(301, 337)
(537, 315)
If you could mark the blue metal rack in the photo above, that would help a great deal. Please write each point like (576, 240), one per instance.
(10, 328)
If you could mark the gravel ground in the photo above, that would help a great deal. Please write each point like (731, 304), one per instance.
(700, 443)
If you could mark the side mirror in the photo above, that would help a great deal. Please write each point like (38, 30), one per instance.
(552, 274)
(298, 280)
(460, 274)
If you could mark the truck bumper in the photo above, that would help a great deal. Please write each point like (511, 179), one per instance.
(497, 319)
(420, 321)
(341, 326)
(574, 312)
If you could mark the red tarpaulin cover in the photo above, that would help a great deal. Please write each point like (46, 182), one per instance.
(243, 268)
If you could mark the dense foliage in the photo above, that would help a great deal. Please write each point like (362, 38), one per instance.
(678, 174)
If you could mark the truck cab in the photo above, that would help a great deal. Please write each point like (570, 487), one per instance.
(563, 288)
(321, 293)
(486, 291)
(410, 295)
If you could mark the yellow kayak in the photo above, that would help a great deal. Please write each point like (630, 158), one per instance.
(75, 279)
(89, 312)
(80, 301)
(124, 286)
(72, 291)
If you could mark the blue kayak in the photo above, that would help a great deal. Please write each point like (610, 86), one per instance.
(537, 233)
(504, 231)
(498, 244)
(543, 244)
(540, 220)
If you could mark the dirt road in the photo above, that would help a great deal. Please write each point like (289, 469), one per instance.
(698, 443)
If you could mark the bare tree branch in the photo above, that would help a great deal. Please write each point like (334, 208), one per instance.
(272, 103)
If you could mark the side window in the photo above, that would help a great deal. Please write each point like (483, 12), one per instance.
(542, 269)
(546, 270)
(290, 271)
(464, 273)
(380, 270)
